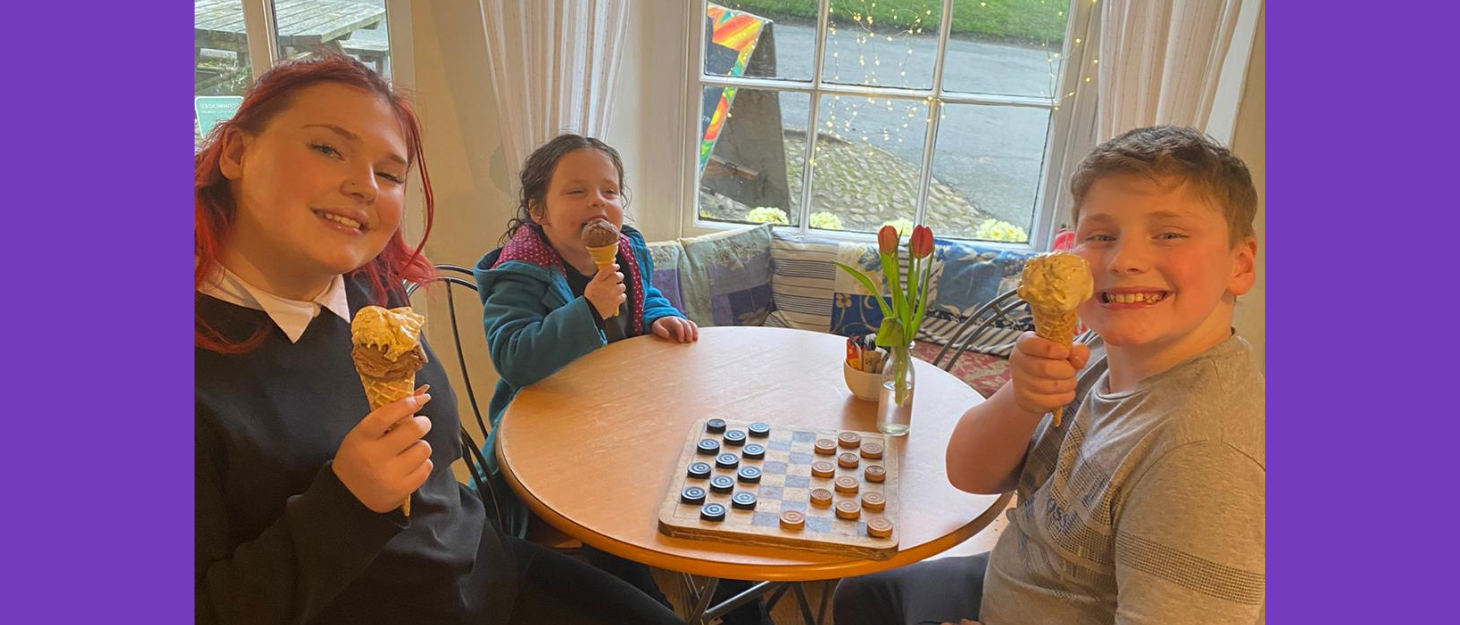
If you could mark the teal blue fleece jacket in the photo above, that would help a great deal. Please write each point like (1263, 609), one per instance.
(534, 325)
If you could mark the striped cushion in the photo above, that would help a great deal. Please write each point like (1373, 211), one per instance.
(803, 280)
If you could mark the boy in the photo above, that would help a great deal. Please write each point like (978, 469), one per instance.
(1147, 504)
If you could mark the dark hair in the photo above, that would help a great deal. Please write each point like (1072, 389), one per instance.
(537, 174)
(213, 208)
(1186, 154)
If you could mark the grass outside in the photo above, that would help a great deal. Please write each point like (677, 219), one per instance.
(1029, 21)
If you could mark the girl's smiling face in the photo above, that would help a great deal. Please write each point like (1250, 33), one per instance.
(585, 186)
(319, 191)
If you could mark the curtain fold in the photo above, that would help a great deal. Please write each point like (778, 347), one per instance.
(1160, 61)
(554, 68)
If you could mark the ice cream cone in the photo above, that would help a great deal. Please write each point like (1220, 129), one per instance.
(603, 257)
(384, 391)
(1055, 284)
(387, 354)
(381, 392)
(1057, 327)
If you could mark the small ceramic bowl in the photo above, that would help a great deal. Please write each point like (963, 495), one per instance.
(862, 384)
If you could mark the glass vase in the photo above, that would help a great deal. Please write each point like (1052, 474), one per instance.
(895, 399)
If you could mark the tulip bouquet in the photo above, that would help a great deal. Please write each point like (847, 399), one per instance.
(903, 314)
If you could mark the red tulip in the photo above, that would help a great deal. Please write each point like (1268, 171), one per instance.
(921, 244)
(887, 240)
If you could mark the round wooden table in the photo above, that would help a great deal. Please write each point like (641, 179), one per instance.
(592, 448)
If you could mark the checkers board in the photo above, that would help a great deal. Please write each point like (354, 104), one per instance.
(707, 496)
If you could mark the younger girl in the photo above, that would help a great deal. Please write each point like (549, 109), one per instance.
(547, 303)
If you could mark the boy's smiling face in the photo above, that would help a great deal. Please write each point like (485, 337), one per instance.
(1166, 273)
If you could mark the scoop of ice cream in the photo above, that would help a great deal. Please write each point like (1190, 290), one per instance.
(1056, 281)
(599, 233)
(396, 332)
(370, 361)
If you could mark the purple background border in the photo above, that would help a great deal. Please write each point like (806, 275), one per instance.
(99, 524)
(97, 148)
(1360, 376)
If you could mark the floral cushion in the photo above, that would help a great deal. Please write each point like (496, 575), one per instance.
(667, 256)
(972, 276)
(725, 278)
(855, 310)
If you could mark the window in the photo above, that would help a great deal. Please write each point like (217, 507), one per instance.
(933, 112)
(233, 40)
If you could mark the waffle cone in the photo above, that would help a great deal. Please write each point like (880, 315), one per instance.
(1056, 326)
(382, 391)
(603, 257)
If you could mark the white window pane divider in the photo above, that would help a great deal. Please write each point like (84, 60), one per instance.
(258, 22)
(1074, 118)
(935, 114)
(813, 108)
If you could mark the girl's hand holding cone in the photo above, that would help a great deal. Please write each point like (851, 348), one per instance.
(606, 292)
(383, 459)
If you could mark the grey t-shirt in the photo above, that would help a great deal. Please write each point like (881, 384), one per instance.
(1146, 507)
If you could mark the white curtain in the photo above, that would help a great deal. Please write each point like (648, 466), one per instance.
(1160, 61)
(554, 66)
(1074, 136)
(1135, 63)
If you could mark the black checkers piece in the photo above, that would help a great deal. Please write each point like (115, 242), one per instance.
(712, 512)
(743, 500)
(700, 470)
(715, 426)
(753, 451)
(692, 495)
(722, 484)
(748, 474)
(708, 447)
(734, 438)
(727, 461)
(759, 430)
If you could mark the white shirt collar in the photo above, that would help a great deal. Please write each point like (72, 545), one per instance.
(292, 316)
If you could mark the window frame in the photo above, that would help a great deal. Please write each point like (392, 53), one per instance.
(263, 48)
(1046, 196)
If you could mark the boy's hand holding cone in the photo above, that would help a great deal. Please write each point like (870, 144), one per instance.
(1055, 284)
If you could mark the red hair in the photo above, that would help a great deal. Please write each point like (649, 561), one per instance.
(213, 207)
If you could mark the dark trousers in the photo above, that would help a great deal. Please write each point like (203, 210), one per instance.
(639, 576)
(555, 588)
(936, 591)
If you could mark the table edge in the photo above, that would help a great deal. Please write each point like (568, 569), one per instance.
(754, 572)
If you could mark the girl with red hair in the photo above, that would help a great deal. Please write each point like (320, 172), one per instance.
(297, 224)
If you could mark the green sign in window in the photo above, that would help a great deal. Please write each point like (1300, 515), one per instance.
(212, 109)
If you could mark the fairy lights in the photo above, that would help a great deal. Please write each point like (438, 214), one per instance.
(871, 34)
